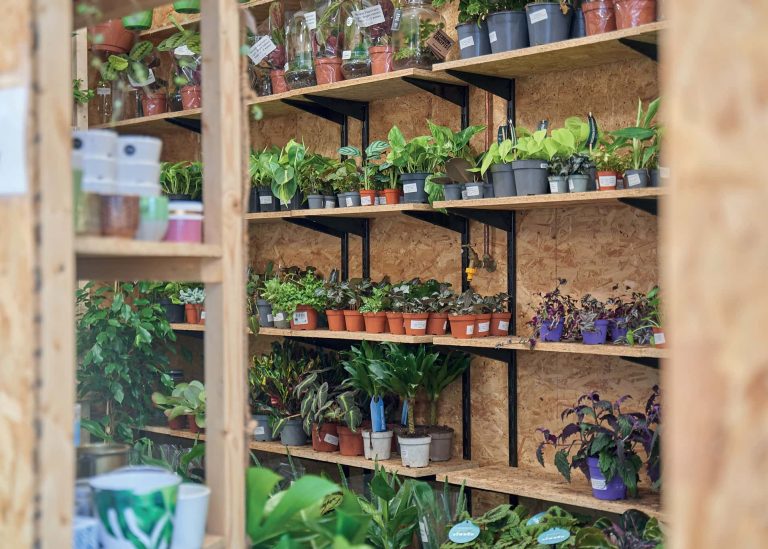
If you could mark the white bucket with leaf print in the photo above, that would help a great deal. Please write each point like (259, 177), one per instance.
(135, 509)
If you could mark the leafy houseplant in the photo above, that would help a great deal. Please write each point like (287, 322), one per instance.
(592, 319)
(261, 180)
(329, 40)
(463, 314)
(642, 143)
(554, 317)
(186, 399)
(438, 376)
(81, 96)
(320, 413)
(284, 170)
(185, 45)
(193, 299)
(312, 179)
(370, 176)
(645, 324)
(373, 310)
(181, 180)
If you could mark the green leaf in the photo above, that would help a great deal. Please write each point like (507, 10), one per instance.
(562, 464)
(380, 488)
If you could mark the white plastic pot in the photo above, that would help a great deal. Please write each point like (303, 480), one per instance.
(139, 148)
(414, 452)
(95, 142)
(99, 168)
(378, 445)
(191, 515)
(129, 171)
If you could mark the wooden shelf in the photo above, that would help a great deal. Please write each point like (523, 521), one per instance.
(559, 56)
(110, 9)
(438, 470)
(107, 247)
(267, 217)
(521, 344)
(157, 124)
(184, 327)
(354, 336)
(555, 489)
(537, 201)
(357, 211)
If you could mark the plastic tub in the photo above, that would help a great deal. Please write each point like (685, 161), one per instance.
(185, 222)
(99, 168)
(153, 218)
(138, 172)
(95, 142)
(139, 148)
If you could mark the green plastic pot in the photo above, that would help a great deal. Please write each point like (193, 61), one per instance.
(187, 6)
(138, 21)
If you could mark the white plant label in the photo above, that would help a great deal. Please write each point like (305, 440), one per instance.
(330, 439)
(503, 325)
(483, 327)
(664, 172)
(658, 338)
(537, 16)
(553, 187)
(348, 201)
(403, 452)
(103, 91)
(466, 42)
(598, 483)
(445, 325)
(259, 431)
(365, 200)
(150, 80)
(262, 48)
(470, 329)
(202, 315)
(409, 188)
(633, 180)
(492, 37)
(300, 318)
(418, 324)
(13, 141)
(265, 200)
(346, 54)
(473, 190)
(607, 181)
(279, 317)
(183, 51)
(270, 318)
(424, 531)
(311, 18)
(544, 166)
(369, 16)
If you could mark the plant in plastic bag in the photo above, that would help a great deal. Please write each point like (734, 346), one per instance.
(356, 61)
(329, 32)
(300, 71)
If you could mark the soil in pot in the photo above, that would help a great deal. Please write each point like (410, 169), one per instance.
(483, 325)
(115, 38)
(292, 433)
(350, 442)
(354, 321)
(375, 323)
(503, 180)
(462, 326)
(156, 103)
(500, 324)
(415, 323)
(473, 39)
(437, 324)
(530, 175)
(599, 336)
(281, 320)
(441, 447)
(325, 438)
(305, 318)
(301, 78)
(316, 201)
(558, 184)
(391, 196)
(452, 191)
(413, 188)
(174, 313)
(578, 183)
(277, 78)
(377, 445)
(356, 68)
(547, 23)
(381, 59)
(599, 16)
(263, 430)
(602, 489)
(633, 13)
(177, 423)
(265, 313)
(636, 179)
(336, 321)
(328, 70)
(190, 314)
(507, 31)
(606, 181)
(191, 97)
(550, 331)
(395, 323)
(414, 450)
(367, 197)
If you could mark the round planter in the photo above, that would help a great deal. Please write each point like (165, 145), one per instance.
(633, 13)
(473, 39)
(325, 438)
(277, 78)
(187, 6)
(558, 184)
(190, 314)
(330, 201)
(138, 21)
(190, 518)
(507, 31)
(342, 198)
(375, 323)
(157, 103)
(265, 313)
(530, 177)
(115, 38)
(578, 183)
(601, 489)
(615, 333)
(414, 452)
(263, 430)
(483, 325)
(636, 179)
(177, 423)
(415, 323)
(500, 324)
(488, 190)
(551, 332)
(281, 320)
(606, 181)
(267, 201)
(316, 201)
(547, 23)
(191, 97)
(367, 197)
(354, 321)
(599, 336)
(294, 203)
(462, 326)
(441, 447)
(377, 445)
(452, 191)
(350, 442)
(578, 28)
(192, 425)
(395, 323)
(381, 59)
(437, 324)
(503, 180)
(336, 321)
(599, 17)
(173, 313)
(328, 70)
(391, 196)
(292, 433)
(413, 188)
(305, 318)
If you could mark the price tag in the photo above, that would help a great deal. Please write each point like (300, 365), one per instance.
(445, 325)
(570, 185)
(410, 188)
(150, 80)
(265, 199)
(483, 327)
(183, 51)
(346, 54)
(473, 190)
(369, 16)
(300, 318)
(464, 532)
(607, 181)
(330, 439)
(418, 324)
(633, 180)
(440, 44)
(262, 48)
(424, 531)
(13, 141)
(553, 187)
(103, 91)
(470, 329)
(659, 339)
(202, 314)
(492, 37)
(398, 15)
(259, 430)
(311, 18)
(365, 200)
(553, 536)
(348, 201)
(537, 16)
(270, 318)
(544, 166)
(279, 317)
(466, 42)
(598, 483)
(503, 325)
(535, 519)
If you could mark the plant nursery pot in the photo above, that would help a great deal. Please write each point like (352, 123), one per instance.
(558, 184)
(500, 324)
(354, 321)
(265, 313)
(381, 59)
(413, 188)
(599, 16)
(507, 31)
(530, 176)
(606, 181)
(452, 191)
(177, 423)
(473, 191)
(292, 433)
(441, 447)
(305, 318)
(599, 336)
(655, 178)
(659, 338)
(336, 320)
(391, 196)
(602, 489)
(263, 429)
(414, 452)
(488, 190)
(191, 513)
(173, 313)
(200, 313)
(191, 97)
(277, 77)
(192, 425)
(316, 201)
(578, 27)
(551, 332)
(483, 325)
(415, 323)
(115, 38)
(615, 333)
(294, 204)
(395, 323)
(462, 326)
(633, 13)
(267, 201)
(473, 39)
(187, 6)
(377, 446)
(281, 320)
(367, 197)
(375, 323)
(156, 103)
(328, 70)
(138, 21)
(636, 179)
(437, 324)
(253, 200)
(578, 183)
(503, 180)
(547, 23)
(342, 198)
(190, 314)
(325, 438)
(350, 442)
(351, 199)
(330, 201)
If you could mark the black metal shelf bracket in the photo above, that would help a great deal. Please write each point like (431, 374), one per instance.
(648, 205)
(650, 362)
(492, 353)
(495, 218)
(455, 93)
(191, 124)
(317, 110)
(347, 107)
(448, 221)
(648, 49)
(498, 86)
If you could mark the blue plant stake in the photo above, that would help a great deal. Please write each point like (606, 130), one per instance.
(535, 519)
(378, 425)
(464, 532)
(553, 536)
(404, 416)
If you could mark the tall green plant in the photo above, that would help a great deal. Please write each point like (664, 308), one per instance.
(642, 139)
(393, 512)
(284, 170)
(439, 375)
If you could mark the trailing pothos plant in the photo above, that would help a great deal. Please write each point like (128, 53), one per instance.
(284, 169)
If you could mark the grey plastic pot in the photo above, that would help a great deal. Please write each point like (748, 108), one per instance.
(414, 452)
(295, 203)
(473, 39)
(636, 179)
(377, 445)
(330, 201)
(441, 447)
(413, 188)
(253, 200)
(473, 191)
(507, 31)
(352, 199)
(578, 183)
(655, 178)
(281, 320)
(592, 183)
(578, 26)
(547, 23)
(316, 201)
(292, 433)
(530, 176)
(265, 313)
(558, 184)
(263, 430)
(452, 191)
(503, 180)
(488, 190)
(267, 202)
(342, 197)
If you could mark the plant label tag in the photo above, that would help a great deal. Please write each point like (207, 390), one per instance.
(492, 37)
(396, 17)
(633, 180)
(470, 329)
(103, 91)
(149, 80)
(348, 201)
(424, 531)
(544, 166)
(346, 54)
(570, 185)
(537, 16)
(474, 190)
(330, 439)
(440, 44)
(403, 452)
(279, 317)
(658, 338)
(466, 42)
(598, 483)
(418, 324)
(553, 187)
(265, 200)
(13, 141)
(483, 327)
(503, 325)
(300, 318)
(262, 48)
(369, 16)
(202, 314)
(535, 519)
(464, 532)
(365, 200)
(607, 181)
(270, 318)
(311, 18)
(553, 536)
(259, 430)
(445, 325)
(378, 425)
(664, 172)
(410, 188)
(183, 51)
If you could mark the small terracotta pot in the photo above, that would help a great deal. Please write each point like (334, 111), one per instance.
(599, 16)
(192, 425)
(604, 180)
(277, 77)
(115, 38)
(354, 321)
(350, 442)
(500, 324)
(307, 318)
(395, 323)
(381, 60)
(462, 326)
(437, 324)
(367, 198)
(483, 325)
(415, 323)
(191, 97)
(154, 104)
(659, 338)
(177, 423)
(200, 308)
(328, 70)
(326, 438)
(392, 196)
(336, 321)
(633, 13)
(375, 323)
(190, 314)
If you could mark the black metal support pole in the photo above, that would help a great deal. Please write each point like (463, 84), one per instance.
(344, 132)
(345, 256)
(466, 395)
(468, 498)
(364, 131)
(465, 110)
(511, 108)
(366, 248)
(512, 362)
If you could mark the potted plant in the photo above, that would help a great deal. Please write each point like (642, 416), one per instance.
(473, 28)
(257, 305)
(439, 375)
(188, 400)
(139, 21)
(167, 403)
(110, 36)
(306, 302)
(640, 142)
(280, 294)
(499, 158)
(355, 290)
(335, 294)
(415, 309)
(648, 327)
(507, 26)
(300, 72)
(633, 13)
(170, 301)
(463, 313)
(609, 165)
(320, 413)
(177, 181)
(483, 314)
(398, 295)
(193, 298)
(531, 166)
(356, 60)
(500, 316)
(185, 45)
(379, 37)
(284, 168)
(438, 303)
(277, 58)
(454, 160)
(599, 16)
(351, 418)
(329, 40)
(592, 319)
(259, 401)
(345, 180)
(312, 175)
(548, 21)
(368, 173)
(415, 161)
(261, 198)
(418, 23)
(554, 317)
(373, 310)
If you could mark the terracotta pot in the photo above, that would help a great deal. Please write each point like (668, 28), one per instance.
(391, 196)
(192, 425)
(354, 321)
(437, 324)
(326, 438)
(500, 324)
(177, 423)
(483, 325)
(607, 181)
(191, 97)
(328, 70)
(659, 339)
(200, 313)
(190, 314)
(277, 77)
(599, 16)
(462, 326)
(415, 323)
(375, 323)
(336, 321)
(633, 13)
(305, 318)
(367, 198)
(381, 60)
(154, 104)
(395, 323)
(115, 38)
(350, 442)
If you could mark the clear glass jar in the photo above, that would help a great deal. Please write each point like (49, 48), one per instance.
(300, 69)
(356, 61)
(418, 23)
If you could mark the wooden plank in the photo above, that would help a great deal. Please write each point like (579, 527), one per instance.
(108, 9)
(537, 485)
(521, 344)
(266, 217)
(80, 71)
(158, 268)
(530, 202)
(369, 212)
(156, 125)
(184, 327)
(353, 336)
(565, 55)
(106, 247)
